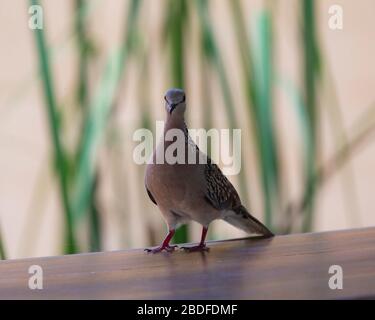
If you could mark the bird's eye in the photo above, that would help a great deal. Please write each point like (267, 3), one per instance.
(183, 99)
(165, 98)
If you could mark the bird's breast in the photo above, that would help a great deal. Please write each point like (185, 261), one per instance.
(174, 185)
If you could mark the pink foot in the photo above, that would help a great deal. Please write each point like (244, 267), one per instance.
(199, 247)
(167, 248)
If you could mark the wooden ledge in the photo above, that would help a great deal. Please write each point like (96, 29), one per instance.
(285, 267)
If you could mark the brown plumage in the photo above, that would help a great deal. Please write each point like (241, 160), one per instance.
(198, 192)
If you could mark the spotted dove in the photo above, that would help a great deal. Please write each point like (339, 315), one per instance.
(198, 192)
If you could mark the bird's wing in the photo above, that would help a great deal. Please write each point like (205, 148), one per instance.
(223, 196)
(151, 196)
(220, 192)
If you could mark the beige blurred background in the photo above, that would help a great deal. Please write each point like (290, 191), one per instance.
(30, 216)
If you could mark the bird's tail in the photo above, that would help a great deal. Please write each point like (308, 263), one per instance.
(242, 219)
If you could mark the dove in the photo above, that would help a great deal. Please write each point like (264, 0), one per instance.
(186, 191)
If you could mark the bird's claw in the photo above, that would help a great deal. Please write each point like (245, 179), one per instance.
(200, 247)
(168, 248)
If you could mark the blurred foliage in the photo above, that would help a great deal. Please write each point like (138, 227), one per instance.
(54, 123)
(311, 73)
(261, 84)
(77, 172)
(78, 181)
(2, 249)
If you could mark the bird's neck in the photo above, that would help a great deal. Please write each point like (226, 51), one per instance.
(173, 122)
(176, 122)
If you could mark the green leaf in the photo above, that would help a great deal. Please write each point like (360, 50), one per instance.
(261, 92)
(53, 120)
(311, 65)
(2, 249)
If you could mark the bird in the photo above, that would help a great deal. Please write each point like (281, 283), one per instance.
(187, 191)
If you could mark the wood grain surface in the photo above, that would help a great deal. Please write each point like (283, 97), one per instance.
(285, 267)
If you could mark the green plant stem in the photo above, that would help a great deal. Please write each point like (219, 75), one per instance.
(83, 100)
(82, 46)
(311, 71)
(95, 222)
(260, 91)
(98, 114)
(177, 16)
(3, 255)
(53, 119)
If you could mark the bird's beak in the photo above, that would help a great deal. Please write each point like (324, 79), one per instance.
(172, 106)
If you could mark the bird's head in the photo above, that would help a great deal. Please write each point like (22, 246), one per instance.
(175, 102)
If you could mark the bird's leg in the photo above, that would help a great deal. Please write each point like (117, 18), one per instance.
(165, 245)
(202, 245)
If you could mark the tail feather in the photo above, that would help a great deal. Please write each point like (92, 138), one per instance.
(240, 218)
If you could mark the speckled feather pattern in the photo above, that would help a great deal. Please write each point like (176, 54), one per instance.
(199, 192)
(220, 192)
